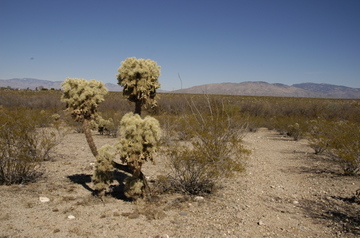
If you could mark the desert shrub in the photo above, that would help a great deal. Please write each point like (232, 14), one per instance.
(168, 124)
(43, 100)
(340, 138)
(295, 131)
(345, 145)
(172, 104)
(47, 139)
(295, 127)
(213, 153)
(190, 172)
(319, 135)
(18, 160)
(23, 146)
(115, 101)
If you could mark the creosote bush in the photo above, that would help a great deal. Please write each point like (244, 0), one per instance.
(341, 139)
(23, 144)
(214, 151)
(319, 135)
(345, 145)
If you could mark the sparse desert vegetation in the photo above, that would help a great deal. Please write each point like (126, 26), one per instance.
(217, 166)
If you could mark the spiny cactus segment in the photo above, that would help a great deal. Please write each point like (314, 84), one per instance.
(139, 78)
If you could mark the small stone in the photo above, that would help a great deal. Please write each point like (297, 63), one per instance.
(260, 223)
(131, 215)
(71, 217)
(295, 202)
(198, 198)
(162, 236)
(44, 199)
(116, 214)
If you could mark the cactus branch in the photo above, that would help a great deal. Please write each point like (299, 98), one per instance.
(89, 138)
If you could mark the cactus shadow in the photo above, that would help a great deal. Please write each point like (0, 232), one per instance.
(83, 180)
(117, 190)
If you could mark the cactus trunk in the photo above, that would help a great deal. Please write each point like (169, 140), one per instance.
(89, 138)
(138, 105)
(136, 173)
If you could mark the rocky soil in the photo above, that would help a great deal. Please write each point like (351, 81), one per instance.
(286, 191)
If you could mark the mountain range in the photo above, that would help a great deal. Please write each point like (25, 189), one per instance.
(30, 83)
(258, 88)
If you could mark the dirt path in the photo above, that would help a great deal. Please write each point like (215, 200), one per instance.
(285, 192)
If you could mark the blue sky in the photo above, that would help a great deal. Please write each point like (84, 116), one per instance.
(205, 41)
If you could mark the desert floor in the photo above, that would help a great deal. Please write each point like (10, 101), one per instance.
(286, 191)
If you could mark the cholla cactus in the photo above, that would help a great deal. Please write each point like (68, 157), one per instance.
(82, 99)
(137, 145)
(103, 167)
(139, 77)
(101, 124)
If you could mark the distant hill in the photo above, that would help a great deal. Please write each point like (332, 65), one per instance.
(30, 83)
(276, 89)
(244, 88)
(330, 91)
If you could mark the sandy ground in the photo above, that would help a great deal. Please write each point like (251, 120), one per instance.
(286, 191)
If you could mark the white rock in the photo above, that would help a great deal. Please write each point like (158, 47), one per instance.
(70, 217)
(162, 236)
(198, 198)
(44, 199)
(260, 223)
